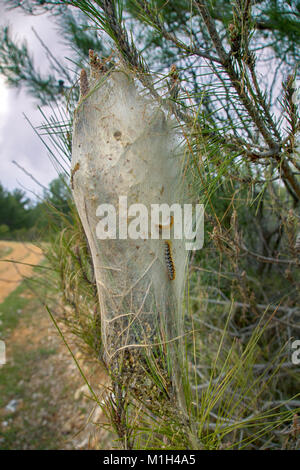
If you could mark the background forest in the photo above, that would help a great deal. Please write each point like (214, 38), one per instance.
(230, 70)
(24, 220)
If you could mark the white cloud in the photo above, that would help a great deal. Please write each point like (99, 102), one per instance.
(18, 140)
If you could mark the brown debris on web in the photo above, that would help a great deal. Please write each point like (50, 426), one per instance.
(83, 84)
(97, 66)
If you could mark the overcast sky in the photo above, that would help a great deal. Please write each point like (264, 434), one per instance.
(17, 139)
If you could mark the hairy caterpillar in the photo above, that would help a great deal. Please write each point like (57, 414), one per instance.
(169, 261)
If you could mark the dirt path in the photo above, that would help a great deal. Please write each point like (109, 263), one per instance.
(11, 274)
(48, 405)
(44, 402)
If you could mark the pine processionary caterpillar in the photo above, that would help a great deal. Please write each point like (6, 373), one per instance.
(169, 261)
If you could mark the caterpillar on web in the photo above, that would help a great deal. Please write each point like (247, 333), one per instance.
(169, 261)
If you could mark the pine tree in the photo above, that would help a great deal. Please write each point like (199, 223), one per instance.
(230, 69)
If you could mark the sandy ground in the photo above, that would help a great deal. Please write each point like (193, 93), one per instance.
(55, 403)
(11, 274)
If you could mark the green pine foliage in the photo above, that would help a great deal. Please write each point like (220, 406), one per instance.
(232, 94)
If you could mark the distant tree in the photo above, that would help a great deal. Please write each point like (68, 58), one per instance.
(18, 214)
(59, 195)
(14, 209)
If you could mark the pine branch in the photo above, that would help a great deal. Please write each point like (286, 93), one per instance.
(239, 85)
